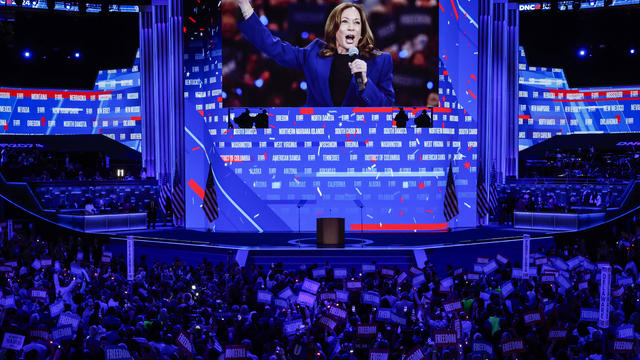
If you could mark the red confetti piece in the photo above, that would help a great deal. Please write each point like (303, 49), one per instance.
(429, 211)
(421, 185)
(401, 212)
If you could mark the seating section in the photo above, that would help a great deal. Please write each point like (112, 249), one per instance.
(106, 196)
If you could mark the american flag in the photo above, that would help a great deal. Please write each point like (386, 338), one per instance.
(165, 193)
(493, 192)
(450, 197)
(177, 197)
(210, 205)
(483, 203)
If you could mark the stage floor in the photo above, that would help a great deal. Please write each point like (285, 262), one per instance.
(396, 240)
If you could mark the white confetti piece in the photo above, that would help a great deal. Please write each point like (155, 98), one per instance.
(319, 192)
(467, 205)
(256, 215)
(358, 190)
(369, 216)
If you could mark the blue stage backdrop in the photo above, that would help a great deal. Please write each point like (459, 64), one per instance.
(549, 106)
(112, 108)
(335, 162)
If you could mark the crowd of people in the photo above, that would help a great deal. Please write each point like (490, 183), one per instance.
(67, 298)
(583, 163)
(37, 164)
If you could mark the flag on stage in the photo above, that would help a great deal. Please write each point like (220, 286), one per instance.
(493, 192)
(483, 201)
(165, 193)
(450, 197)
(177, 197)
(210, 205)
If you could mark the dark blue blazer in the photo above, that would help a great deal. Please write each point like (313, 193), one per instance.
(377, 92)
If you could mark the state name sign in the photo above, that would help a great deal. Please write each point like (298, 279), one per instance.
(39, 333)
(402, 278)
(445, 338)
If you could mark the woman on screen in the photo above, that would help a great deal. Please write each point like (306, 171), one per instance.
(334, 77)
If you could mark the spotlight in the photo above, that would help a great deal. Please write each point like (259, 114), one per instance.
(592, 2)
(26, 54)
(576, 4)
(582, 52)
(632, 51)
(67, 6)
(76, 55)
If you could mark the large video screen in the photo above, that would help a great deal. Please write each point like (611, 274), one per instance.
(295, 53)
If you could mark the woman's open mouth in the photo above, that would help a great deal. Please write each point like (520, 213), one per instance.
(350, 39)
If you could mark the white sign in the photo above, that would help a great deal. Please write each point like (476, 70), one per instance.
(264, 296)
(605, 296)
(526, 238)
(304, 298)
(310, 286)
(12, 341)
(507, 288)
(340, 273)
(130, 258)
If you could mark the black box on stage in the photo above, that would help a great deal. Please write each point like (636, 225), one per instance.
(330, 232)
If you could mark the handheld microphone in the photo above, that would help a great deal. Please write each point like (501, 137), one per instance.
(353, 54)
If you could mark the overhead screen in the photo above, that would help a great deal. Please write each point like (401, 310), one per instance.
(353, 162)
(253, 79)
